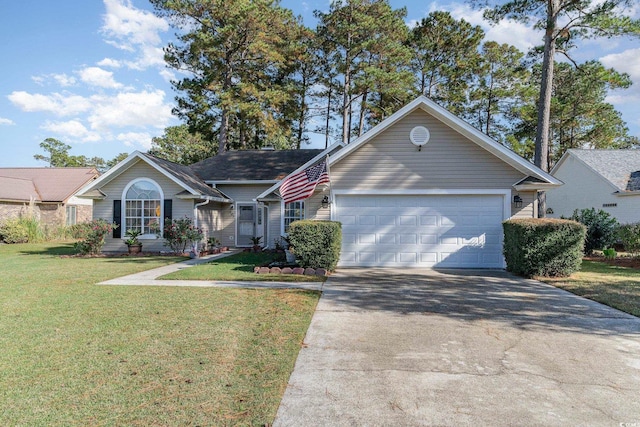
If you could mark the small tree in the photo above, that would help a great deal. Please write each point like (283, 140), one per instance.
(601, 228)
(180, 233)
(629, 235)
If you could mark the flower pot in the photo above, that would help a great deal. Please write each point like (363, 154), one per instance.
(291, 258)
(135, 249)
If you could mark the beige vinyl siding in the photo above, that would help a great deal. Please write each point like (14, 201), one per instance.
(274, 231)
(210, 219)
(114, 188)
(529, 203)
(448, 161)
(314, 209)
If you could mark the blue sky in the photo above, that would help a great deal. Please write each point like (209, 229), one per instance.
(91, 73)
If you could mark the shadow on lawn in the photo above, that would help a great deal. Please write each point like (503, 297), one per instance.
(474, 295)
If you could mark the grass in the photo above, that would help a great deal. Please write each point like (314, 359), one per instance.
(77, 354)
(615, 286)
(239, 267)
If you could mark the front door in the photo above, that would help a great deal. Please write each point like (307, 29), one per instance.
(246, 223)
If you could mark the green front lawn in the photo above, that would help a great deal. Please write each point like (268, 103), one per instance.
(76, 354)
(239, 267)
(615, 286)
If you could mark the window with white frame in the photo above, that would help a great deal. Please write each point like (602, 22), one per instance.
(292, 212)
(142, 208)
(72, 215)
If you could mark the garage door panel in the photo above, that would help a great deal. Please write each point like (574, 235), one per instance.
(421, 231)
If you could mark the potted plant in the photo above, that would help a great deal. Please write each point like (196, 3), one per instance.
(132, 242)
(213, 245)
(256, 243)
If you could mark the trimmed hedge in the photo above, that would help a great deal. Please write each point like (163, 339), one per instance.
(543, 247)
(316, 244)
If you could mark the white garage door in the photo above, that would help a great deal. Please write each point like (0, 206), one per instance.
(421, 231)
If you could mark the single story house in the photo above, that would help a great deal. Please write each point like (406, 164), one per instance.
(602, 179)
(47, 193)
(421, 189)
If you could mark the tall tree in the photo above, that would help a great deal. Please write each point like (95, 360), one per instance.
(564, 22)
(235, 52)
(500, 85)
(181, 146)
(580, 116)
(363, 42)
(445, 55)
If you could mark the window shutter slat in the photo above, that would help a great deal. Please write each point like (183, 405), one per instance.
(117, 218)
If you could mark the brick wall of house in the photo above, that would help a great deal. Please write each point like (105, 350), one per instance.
(14, 209)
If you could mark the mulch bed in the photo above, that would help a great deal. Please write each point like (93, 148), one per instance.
(620, 261)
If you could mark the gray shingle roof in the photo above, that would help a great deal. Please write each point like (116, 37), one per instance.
(43, 184)
(188, 176)
(620, 167)
(249, 165)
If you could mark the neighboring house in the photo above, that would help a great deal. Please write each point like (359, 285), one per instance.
(421, 189)
(600, 179)
(47, 193)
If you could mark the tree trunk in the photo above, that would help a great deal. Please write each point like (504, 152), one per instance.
(363, 108)
(541, 158)
(326, 129)
(222, 135)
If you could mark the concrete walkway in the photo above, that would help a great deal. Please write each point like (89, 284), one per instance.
(450, 348)
(150, 278)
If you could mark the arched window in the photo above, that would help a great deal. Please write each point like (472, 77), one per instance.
(142, 207)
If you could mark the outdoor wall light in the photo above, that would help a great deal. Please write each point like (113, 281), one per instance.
(517, 201)
(325, 202)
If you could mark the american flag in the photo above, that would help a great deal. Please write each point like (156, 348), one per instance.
(301, 185)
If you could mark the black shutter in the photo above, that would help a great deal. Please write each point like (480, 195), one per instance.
(168, 212)
(117, 218)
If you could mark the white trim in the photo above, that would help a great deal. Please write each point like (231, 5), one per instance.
(237, 220)
(247, 182)
(506, 210)
(123, 207)
(282, 210)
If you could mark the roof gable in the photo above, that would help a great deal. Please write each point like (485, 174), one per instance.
(43, 184)
(457, 124)
(182, 175)
(620, 168)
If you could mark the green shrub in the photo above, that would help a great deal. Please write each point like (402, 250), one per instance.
(316, 244)
(543, 247)
(14, 230)
(79, 230)
(629, 235)
(601, 228)
(94, 240)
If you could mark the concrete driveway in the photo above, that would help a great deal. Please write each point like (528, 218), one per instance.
(449, 348)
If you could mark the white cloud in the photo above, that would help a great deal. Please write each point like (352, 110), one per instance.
(131, 139)
(522, 36)
(628, 62)
(146, 108)
(95, 76)
(167, 75)
(6, 122)
(109, 62)
(63, 80)
(56, 103)
(134, 30)
(72, 129)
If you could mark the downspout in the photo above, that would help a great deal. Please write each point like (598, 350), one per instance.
(194, 247)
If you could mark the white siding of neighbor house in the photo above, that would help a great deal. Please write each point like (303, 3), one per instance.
(114, 188)
(449, 161)
(584, 188)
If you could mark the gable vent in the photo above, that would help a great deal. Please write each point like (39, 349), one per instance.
(419, 136)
